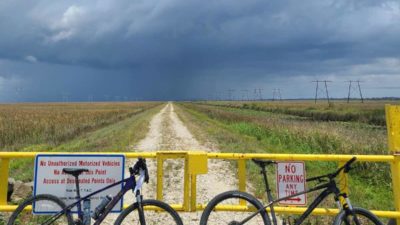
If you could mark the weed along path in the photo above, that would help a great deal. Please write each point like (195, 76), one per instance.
(167, 132)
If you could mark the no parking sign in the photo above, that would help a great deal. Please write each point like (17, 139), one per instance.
(291, 179)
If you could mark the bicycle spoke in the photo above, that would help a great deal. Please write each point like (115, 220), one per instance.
(46, 208)
(351, 220)
(159, 216)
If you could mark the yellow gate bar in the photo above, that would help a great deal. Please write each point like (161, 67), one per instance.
(9, 155)
(305, 157)
(298, 210)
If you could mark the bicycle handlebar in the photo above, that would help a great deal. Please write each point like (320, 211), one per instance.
(140, 165)
(346, 168)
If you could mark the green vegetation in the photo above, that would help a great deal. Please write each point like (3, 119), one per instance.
(235, 129)
(370, 112)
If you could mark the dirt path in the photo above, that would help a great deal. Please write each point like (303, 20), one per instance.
(167, 132)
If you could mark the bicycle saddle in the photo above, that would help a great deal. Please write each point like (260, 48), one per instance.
(74, 171)
(263, 163)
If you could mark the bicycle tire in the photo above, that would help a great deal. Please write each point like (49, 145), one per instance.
(20, 215)
(234, 196)
(163, 214)
(365, 217)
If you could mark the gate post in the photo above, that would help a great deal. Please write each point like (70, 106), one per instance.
(393, 128)
(4, 169)
(197, 163)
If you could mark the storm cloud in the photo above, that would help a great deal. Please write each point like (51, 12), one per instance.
(176, 49)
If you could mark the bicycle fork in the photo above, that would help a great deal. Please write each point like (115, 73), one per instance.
(348, 208)
(139, 199)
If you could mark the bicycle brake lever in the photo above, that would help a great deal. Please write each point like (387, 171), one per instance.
(146, 175)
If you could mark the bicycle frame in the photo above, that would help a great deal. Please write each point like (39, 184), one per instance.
(130, 184)
(329, 188)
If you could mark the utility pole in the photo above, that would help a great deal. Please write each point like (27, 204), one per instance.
(276, 94)
(359, 88)
(326, 89)
(260, 93)
(356, 89)
(317, 89)
(316, 92)
(257, 94)
(348, 95)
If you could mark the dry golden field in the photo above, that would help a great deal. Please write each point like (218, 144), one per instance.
(53, 123)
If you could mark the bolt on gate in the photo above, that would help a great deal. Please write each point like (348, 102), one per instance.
(196, 163)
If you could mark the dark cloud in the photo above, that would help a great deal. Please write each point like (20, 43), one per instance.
(180, 49)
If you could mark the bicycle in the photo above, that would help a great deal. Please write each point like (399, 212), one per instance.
(347, 215)
(63, 215)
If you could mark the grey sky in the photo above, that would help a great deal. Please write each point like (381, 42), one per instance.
(178, 49)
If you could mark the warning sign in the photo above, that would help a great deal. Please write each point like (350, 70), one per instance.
(103, 171)
(290, 179)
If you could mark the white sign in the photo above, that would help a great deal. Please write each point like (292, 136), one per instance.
(291, 179)
(103, 171)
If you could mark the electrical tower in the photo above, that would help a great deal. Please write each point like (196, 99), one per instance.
(321, 90)
(353, 88)
(257, 94)
(276, 94)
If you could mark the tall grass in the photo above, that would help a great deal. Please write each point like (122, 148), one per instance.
(370, 112)
(27, 124)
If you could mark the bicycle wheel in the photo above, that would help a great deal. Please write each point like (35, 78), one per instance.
(211, 216)
(48, 205)
(364, 217)
(155, 212)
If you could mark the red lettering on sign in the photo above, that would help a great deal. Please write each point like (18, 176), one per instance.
(290, 168)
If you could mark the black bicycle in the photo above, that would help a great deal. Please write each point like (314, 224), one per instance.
(141, 212)
(255, 213)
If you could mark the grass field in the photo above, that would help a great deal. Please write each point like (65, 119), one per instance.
(23, 125)
(235, 127)
(370, 112)
(71, 127)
